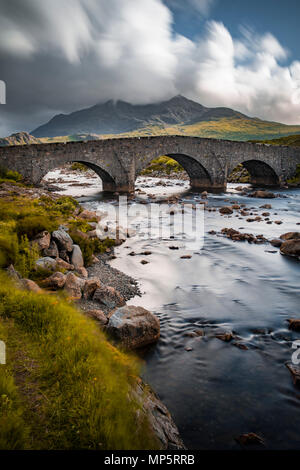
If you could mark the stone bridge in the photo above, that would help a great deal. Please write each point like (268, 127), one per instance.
(118, 162)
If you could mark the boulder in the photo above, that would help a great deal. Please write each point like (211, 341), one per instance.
(55, 281)
(12, 273)
(99, 315)
(61, 264)
(89, 215)
(46, 263)
(52, 250)
(290, 236)
(295, 371)
(32, 286)
(63, 240)
(76, 257)
(294, 324)
(276, 242)
(73, 286)
(290, 248)
(158, 416)
(90, 286)
(109, 297)
(82, 272)
(263, 194)
(134, 327)
(226, 210)
(43, 240)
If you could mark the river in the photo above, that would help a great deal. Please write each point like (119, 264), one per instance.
(215, 390)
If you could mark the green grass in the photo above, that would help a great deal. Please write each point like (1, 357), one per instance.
(163, 164)
(64, 386)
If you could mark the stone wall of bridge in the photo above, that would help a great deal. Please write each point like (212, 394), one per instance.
(118, 162)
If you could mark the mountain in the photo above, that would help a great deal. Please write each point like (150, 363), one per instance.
(178, 115)
(119, 117)
(20, 138)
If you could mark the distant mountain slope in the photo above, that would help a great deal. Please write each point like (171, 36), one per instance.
(291, 140)
(119, 117)
(20, 138)
(178, 115)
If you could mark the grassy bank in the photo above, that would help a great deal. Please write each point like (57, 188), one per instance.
(64, 385)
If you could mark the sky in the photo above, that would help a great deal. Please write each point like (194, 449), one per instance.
(59, 56)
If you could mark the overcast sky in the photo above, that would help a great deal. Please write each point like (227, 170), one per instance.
(57, 56)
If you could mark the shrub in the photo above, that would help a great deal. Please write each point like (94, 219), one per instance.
(91, 246)
(79, 167)
(10, 175)
(31, 225)
(164, 165)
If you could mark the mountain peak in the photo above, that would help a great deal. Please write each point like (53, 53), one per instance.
(116, 117)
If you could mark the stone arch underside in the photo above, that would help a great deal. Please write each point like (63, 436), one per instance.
(198, 174)
(108, 182)
(262, 174)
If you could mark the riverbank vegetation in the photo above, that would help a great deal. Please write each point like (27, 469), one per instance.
(64, 386)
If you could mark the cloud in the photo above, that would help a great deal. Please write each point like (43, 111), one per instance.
(64, 55)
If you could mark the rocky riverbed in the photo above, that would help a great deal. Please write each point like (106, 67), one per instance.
(225, 303)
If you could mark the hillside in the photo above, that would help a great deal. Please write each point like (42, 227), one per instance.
(20, 138)
(178, 115)
(292, 140)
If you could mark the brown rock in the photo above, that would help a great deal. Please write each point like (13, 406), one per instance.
(55, 281)
(52, 250)
(290, 236)
(226, 210)
(90, 287)
(82, 272)
(263, 194)
(89, 215)
(276, 242)
(109, 297)
(295, 371)
(30, 285)
(250, 439)
(133, 326)
(227, 336)
(43, 240)
(99, 315)
(290, 248)
(294, 324)
(61, 264)
(73, 286)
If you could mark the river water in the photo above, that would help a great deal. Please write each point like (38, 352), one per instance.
(215, 390)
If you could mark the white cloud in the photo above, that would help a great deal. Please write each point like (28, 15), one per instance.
(75, 53)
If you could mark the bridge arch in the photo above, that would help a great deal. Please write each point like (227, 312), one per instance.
(199, 175)
(261, 173)
(108, 183)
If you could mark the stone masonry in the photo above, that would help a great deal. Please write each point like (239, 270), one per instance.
(118, 162)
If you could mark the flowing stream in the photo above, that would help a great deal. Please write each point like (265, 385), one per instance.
(215, 390)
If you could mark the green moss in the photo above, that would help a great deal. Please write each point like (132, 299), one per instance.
(80, 382)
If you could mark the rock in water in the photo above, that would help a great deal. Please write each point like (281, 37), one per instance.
(290, 248)
(226, 210)
(76, 257)
(133, 326)
(63, 240)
